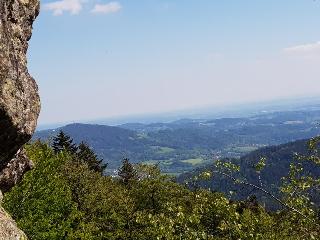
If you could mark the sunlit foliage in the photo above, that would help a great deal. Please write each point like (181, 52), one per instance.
(62, 198)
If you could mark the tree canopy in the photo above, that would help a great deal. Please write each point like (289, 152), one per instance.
(66, 199)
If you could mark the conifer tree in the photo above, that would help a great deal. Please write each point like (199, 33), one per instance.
(86, 155)
(127, 172)
(63, 142)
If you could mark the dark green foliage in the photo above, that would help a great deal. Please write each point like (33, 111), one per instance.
(264, 166)
(127, 172)
(81, 154)
(63, 142)
(86, 155)
(64, 199)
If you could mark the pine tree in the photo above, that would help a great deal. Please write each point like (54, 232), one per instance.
(86, 155)
(127, 172)
(63, 142)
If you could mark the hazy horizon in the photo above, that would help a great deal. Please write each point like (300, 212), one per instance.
(97, 59)
(243, 109)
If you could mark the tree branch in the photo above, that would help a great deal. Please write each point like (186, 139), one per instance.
(237, 181)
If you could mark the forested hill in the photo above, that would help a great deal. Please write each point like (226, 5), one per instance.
(277, 165)
(277, 157)
(182, 145)
(98, 136)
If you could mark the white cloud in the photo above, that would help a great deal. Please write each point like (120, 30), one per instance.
(110, 7)
(305, 49)
(59, 7)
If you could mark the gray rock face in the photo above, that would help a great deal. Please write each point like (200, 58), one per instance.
(8, 228)
(13, 173)
(19, 99)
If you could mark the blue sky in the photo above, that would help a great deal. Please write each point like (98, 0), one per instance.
(99, 58)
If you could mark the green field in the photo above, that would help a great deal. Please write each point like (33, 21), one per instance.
(161, 162)
(193, 161)
(162, 150)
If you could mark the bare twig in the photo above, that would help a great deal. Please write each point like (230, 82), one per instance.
(262, 190)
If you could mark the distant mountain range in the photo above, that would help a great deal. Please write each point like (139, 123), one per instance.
(209, 112)
(185, 144)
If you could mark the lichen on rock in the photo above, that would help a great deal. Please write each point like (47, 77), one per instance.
(8, 228)
(13, 173)
(19, 99)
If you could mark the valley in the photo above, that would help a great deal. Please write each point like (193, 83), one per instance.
(185, 144)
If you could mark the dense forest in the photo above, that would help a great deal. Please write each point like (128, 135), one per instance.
(277, 164)
(66, 196)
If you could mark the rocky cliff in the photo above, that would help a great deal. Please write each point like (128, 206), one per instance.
(19, 99)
